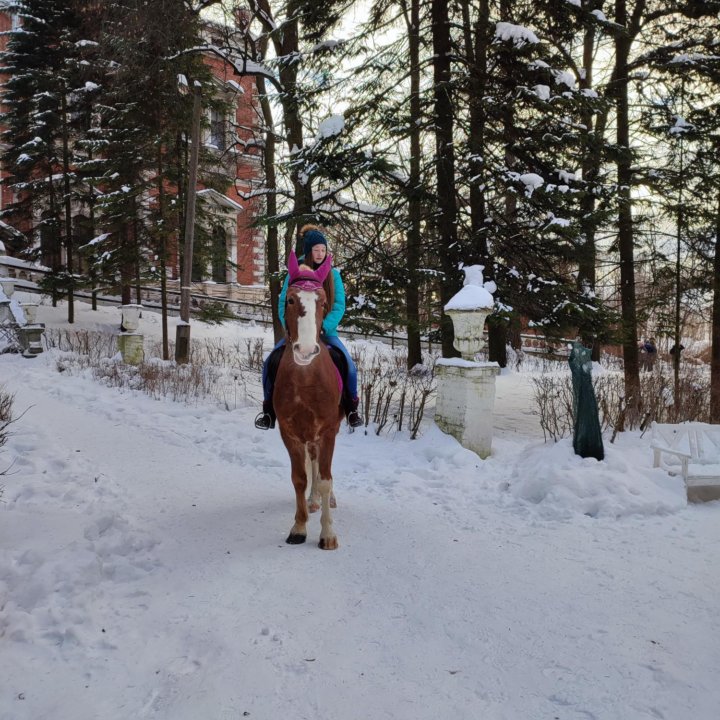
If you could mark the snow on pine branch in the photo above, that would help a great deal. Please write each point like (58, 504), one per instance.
(330, 127)
(518, 34)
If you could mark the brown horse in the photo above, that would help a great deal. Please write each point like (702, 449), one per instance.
(307, 401)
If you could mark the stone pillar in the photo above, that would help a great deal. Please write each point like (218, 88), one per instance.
(6, 313)
(131, 348)
(129, 342)
(465, 402)
(466, 389)
(30, 339)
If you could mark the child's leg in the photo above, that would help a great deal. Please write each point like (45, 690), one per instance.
(270, 370)
(351, 379)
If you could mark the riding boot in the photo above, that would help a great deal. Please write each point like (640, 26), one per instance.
(351, 410)
(266, 419)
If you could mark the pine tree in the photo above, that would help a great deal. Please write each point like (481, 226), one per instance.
(145, 122)
(524, 138)
(683, 118)
(42, 95)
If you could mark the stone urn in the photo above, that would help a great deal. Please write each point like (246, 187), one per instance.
(30, 310)
(8, 286)
(469, 326)
(130, 317)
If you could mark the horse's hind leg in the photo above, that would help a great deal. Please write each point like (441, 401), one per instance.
(298, 532)
(328, 539)
(314, 499)
(313, 470)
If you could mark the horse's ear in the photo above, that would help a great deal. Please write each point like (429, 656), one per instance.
(322, 272)
(293, 267)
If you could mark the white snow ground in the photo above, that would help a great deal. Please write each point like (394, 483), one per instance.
(144, 574)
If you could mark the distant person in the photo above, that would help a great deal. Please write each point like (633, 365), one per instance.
(673, 349)
(648, 355)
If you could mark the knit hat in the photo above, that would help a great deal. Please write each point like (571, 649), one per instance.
(310, 239)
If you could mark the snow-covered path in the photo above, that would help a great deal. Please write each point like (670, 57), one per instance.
(143, 574)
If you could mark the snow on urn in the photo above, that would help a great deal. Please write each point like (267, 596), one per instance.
(466, 389)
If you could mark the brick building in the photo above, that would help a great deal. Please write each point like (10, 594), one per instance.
(229, 216)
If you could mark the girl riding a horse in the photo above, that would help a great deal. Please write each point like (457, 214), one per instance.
(315, 254)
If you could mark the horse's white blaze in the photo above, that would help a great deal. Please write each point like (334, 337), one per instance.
(306, 342)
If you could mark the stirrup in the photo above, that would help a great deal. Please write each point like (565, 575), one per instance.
(354, 420)
(264, 421)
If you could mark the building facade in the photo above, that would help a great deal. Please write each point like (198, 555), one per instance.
(237, 266)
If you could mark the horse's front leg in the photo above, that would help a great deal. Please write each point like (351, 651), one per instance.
(328, 539)
(298, 532)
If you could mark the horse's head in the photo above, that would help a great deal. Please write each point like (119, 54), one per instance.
(305, 308)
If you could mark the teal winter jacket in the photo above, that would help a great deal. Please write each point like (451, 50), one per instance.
(333, 318)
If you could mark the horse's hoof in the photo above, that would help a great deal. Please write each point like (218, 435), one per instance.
(330, 543)
(295, 539)
(314, 507)
(333, 501)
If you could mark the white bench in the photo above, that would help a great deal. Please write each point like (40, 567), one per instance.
(694, 452)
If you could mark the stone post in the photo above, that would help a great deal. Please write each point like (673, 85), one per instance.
(465, 402)
(30, 339)
(130, 343)
(466, 388)
(131, 348)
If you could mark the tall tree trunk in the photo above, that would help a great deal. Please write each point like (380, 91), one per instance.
(271, 243)
(92, 274)
(477, 39)
(625, 220)
(127, 267)
(67, 203)
(715, 352)
(445, 168)
(413, 241)
(162, 254)
(56, 251)
(678, 294)
(302, 186)
(476, 46)
(587, 253)
(138, 288)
